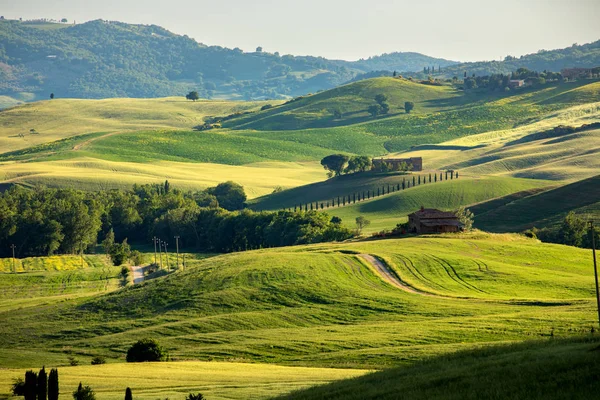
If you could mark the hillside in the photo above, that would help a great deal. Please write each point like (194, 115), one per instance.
(576, 56)
(533, 370)
(543, 209)
(322, 305)
(101, 59)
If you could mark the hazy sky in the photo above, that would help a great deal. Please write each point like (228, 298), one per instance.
(465, 30)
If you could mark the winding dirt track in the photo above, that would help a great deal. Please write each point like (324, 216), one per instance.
(389, 276)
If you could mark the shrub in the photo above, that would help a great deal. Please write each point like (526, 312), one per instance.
(73, 361)
(84, 393)
(146, 350)
(18, 387)
(197, 396)
(98, 360)
(266, 107)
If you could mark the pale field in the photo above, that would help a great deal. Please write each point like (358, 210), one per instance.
(93, 174)
(175, 380)
(60, 118)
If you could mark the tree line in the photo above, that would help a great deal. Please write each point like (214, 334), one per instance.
(573, 231)
(44, 221)
(347, 199)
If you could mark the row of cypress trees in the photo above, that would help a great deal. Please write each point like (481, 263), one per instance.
(41, 386)
(366, 195)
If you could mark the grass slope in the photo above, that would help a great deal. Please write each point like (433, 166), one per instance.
(60, 118)
(386, 211)
(174, 380)
(554, 369)
(321, 305)
(541, 209)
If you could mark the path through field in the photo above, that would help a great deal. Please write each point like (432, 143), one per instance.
(390, 276)
(138, 274)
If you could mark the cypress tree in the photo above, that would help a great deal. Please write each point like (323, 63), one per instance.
(456, 174)
(419, 179)
(128, 395)
(429, 178)
(53, 385)
(441, 177)
(446, 175)
(30, 385)
(414, 181)
(338, 201)
(377, 191)
(322, 206)
(344, 200)
(451, 175)
(311, 207)
(353, 197)
(327, 203)
(435, 177)
(42, 384)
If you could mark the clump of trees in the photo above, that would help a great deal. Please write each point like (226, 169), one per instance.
(146, 350)
(380, 107)
(573, 231)
(466, 217)
(37, 386)
(338, 164)
(84, 393)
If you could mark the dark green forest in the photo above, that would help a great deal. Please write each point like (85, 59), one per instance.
(101, 59)
(45, 221)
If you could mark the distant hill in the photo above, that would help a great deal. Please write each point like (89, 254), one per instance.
(576, 56)
(101, 59)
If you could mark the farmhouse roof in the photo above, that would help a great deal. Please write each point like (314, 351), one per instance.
(432, 213)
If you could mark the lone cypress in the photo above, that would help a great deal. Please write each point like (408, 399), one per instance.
(128, 395)
(30, 385)
(42, 384)
(53, 385)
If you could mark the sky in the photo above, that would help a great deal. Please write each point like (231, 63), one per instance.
(461, 30)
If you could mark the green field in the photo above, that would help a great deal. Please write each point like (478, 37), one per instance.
(555, 369)
(175, 380)
(386, 211)
(96, 144)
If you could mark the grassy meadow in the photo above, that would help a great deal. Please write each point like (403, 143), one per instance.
(321, 305)
(174, 380)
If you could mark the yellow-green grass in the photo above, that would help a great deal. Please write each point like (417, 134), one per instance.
(175, 380)
(570, 159)
(553, 369)
(60, 118)
(352, 100)
(547, 208)
(388, 210)
(52, 263)
(87, 173)
(321, 305)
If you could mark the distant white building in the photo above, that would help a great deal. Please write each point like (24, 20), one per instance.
(516, 83)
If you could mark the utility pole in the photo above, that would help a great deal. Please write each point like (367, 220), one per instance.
(154, 239)
(160, 253)
(167, 256)
(12, 246)
(177, 246)
(592, 232)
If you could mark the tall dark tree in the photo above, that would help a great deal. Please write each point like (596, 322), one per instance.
(42, 385)
(30, 385)
(53, 391)
(167, 187)
(51, 96)
(128, 395)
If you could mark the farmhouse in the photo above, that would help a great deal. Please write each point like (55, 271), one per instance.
(430, 220)
(516, 83)
(416, 162)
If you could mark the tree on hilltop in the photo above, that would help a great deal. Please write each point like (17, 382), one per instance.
(335, 163)
(193, 95)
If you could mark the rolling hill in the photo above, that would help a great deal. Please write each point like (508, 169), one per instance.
(320, 305)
